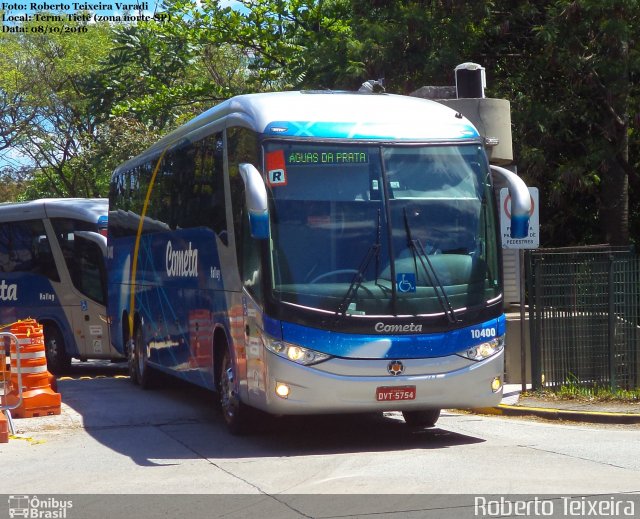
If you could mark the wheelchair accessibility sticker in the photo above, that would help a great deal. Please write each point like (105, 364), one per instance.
(406, 282)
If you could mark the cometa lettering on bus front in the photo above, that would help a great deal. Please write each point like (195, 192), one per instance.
(181, 263)
(398, 328)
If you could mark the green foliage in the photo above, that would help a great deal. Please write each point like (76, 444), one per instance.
(574, 389)
(147, 75)
(568, 68)
(414, 43)
(13, 183)
(79, 105)
(283, 42)
(340, 43)
(43, 85)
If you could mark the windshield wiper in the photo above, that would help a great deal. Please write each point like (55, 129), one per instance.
(358, 278)
(418, 252)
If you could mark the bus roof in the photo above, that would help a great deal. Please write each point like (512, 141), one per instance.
(87, 209)
(325, 115)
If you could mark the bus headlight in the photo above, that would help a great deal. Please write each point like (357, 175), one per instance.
(483, 350)
(295, 353)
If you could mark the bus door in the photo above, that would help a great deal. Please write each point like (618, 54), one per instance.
(90, 279)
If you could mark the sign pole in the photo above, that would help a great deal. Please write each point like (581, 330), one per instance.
(523, 335)
(532, 241)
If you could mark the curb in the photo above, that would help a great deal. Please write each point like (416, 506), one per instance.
(561, 414)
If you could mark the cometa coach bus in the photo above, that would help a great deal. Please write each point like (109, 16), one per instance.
(314, 252)
(52, 268)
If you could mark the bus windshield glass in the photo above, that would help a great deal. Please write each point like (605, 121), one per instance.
(381, 229)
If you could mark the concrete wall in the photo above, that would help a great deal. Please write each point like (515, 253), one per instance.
(513, 348)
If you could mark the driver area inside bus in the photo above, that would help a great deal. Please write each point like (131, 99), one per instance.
(335, 230)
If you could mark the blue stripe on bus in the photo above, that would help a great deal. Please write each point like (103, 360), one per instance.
(371, 131)
(178, 271)
(381, 346)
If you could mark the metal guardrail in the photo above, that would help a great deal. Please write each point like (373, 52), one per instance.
(5, 376)
(584, 310)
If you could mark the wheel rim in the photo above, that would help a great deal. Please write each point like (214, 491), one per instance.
(140, 354)
(57, 358)
(227, 397)
(53, 348)
(132, 360)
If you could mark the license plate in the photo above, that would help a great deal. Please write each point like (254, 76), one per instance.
(392, 394)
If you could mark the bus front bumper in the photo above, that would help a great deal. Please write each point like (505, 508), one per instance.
(353, 386)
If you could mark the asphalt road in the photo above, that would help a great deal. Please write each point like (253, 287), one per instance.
(114, 438)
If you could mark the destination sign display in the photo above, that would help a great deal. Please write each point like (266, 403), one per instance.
(328, 157)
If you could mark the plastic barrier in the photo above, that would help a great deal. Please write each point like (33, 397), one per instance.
(33, 379)
(6, 423)
(4, 429)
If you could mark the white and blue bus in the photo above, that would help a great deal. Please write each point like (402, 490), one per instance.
(314, 252)
(52, 268)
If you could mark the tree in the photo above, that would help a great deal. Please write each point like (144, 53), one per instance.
(13, 181)
(341, 43)
(569, 69)
(417, 42)
(162, 73)
(47, 116)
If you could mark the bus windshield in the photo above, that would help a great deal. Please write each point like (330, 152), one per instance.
(377, 230)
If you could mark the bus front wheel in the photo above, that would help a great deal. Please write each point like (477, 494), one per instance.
(421, 418)
(58, 361)
(235, 413)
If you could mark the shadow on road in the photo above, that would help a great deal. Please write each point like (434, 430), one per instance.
(180, 421)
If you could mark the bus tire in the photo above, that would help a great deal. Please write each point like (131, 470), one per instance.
(421, 418)
(58, 360)
(143, 373)
(131, 360)
(235, 413)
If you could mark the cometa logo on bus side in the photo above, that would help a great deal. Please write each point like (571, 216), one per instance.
(8, 292)
(181, 263)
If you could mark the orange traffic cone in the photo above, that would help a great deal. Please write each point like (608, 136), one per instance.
(4, 428)
(38, 399)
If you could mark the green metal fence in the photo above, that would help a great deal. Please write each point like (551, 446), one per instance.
(584, 310)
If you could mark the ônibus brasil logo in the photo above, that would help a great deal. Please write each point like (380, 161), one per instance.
(38, 508)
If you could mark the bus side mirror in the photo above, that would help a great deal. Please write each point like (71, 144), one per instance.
(256, 200)
(520, 202)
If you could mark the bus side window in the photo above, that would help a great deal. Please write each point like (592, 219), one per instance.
(88, 276)
(64, 229)
(5, 248)
(43, 258)
(24, 248)
(208, 191)
(219, 216)
(189, 188)
(242, 146)
(251, 270)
